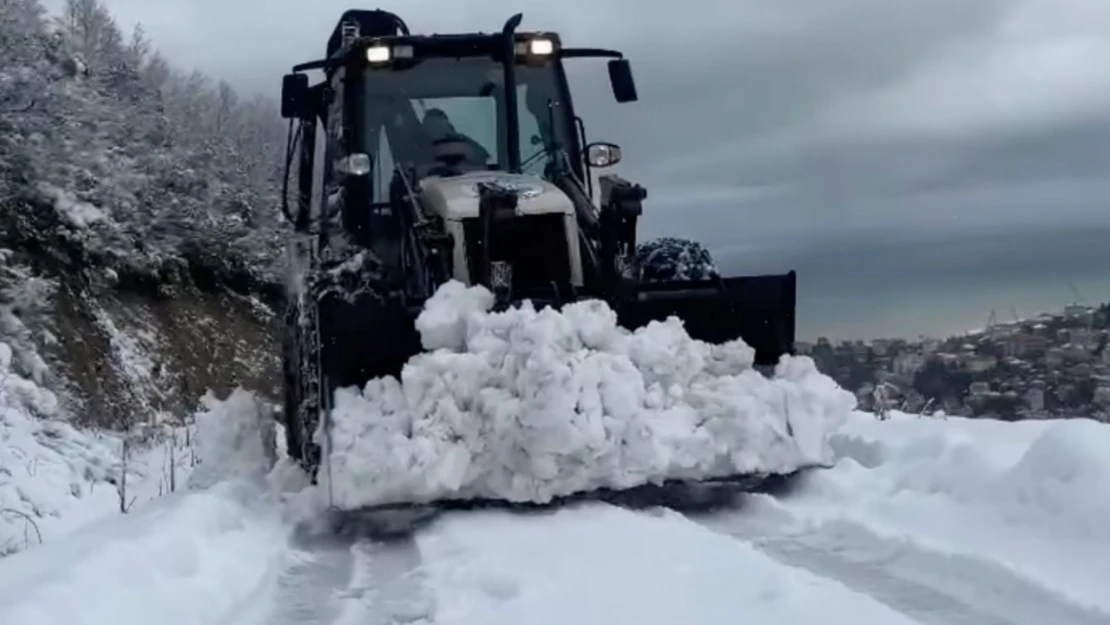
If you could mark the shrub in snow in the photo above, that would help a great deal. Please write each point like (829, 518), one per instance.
(24, 302)
(234, 439)
(529, 405)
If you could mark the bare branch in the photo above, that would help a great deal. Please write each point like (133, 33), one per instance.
(25, 517)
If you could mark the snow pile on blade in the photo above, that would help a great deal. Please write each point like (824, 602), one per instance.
(527, 406)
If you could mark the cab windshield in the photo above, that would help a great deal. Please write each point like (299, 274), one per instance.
(461, 101)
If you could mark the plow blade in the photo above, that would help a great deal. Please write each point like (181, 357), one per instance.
(401, 519)
(757, 309)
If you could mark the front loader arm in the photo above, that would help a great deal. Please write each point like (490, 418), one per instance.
(621, 207)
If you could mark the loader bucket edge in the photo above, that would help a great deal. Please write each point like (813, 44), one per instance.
(400, 518)
(758, 309)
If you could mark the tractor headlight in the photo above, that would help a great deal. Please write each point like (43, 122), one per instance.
(537, 47)
(378, 54)
(541, 47)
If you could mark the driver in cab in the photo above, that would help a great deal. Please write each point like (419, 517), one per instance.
(449, 146)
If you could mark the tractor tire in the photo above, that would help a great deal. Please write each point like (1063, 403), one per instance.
(300, 376)
(672, 259)
(292, 396)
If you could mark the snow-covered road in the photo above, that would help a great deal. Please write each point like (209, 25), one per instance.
(932, 587)
(951, 521)
(891, 535)
(336, 581)
(593, 564)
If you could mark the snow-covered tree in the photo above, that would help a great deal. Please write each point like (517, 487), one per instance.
(109, 155)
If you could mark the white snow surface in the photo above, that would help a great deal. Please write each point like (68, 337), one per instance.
(1030, 497)
(600, 565)
(190, 558)
(526, 405)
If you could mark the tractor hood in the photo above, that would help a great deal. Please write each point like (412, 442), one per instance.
(456, 197)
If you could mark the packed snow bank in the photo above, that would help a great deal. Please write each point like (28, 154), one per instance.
(235, 439)
(1029, 495)
(192, 557)
(199, 555)
(600, 565)
(55, 478)
(529, 405)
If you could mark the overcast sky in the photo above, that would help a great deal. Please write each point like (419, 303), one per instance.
(763, 123)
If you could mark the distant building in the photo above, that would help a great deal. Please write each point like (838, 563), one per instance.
(980, 364)
(1021, 345)
(1077, 311)
(979, 388)
(908, 363)
(1074, 353)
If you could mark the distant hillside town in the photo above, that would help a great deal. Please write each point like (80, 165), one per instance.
(1053, 366)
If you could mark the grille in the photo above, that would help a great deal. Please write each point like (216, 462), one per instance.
(535, 246)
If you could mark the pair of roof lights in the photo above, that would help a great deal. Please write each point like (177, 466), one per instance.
(384, 54)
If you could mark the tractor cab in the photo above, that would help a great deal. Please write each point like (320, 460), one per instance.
(448, 104)
(413, 125)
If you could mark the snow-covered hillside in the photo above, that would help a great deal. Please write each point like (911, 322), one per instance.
(55, 478)
(113, 158)
(139, 201)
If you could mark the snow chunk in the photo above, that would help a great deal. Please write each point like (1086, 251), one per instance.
(529, 405)
(443, 322)
(235, 439)
(79, 214)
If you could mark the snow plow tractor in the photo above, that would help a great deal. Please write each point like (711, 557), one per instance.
(420, 159)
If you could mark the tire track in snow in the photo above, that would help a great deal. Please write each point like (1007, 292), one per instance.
(305, 591)
(931, 587)
(336, 581)
(387, 587)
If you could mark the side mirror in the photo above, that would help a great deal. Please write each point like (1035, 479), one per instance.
(620, 77)
(294, 96)
(603, 154)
